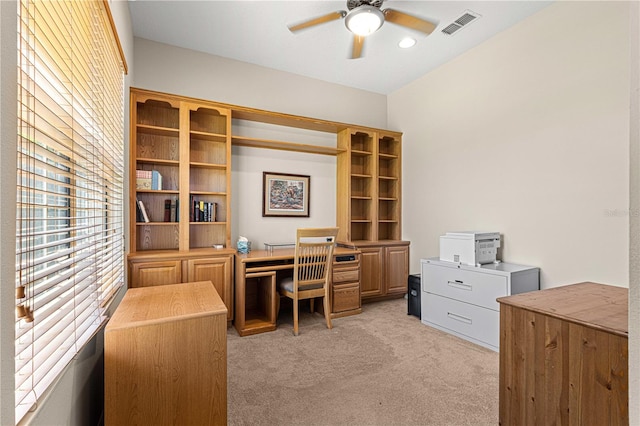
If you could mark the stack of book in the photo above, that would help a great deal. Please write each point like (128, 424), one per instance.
(143, 179)
(202, 211)
(172, 210)
(148, 179)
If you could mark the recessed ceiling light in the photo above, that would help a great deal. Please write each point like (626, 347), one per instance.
(407, 42)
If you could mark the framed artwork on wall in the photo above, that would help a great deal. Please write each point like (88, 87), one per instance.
(285, 194)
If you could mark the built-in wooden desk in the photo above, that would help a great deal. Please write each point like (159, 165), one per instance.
(165, 357)
(258, 271)
(563, 356)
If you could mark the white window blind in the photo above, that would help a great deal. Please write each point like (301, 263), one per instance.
(69, 251)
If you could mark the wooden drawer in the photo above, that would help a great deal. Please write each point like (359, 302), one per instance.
(471, 321)
(346, 275)
(478, 288)
(345, 297)
(153, 273)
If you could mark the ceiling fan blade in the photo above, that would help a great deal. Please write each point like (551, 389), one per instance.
(401, 18)
(358, 42)
(317, 21)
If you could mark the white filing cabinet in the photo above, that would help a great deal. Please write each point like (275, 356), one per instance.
(461, 299)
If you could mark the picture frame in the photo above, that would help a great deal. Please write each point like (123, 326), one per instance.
(285, 195)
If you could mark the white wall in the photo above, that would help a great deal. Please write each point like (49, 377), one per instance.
(527, 134)
(186, 72)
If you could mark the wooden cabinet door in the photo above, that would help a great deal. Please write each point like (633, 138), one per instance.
(217, 270)
(397, 269)
(147, 274)
(371, 271)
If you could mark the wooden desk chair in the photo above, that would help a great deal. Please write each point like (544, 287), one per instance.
(311, 270)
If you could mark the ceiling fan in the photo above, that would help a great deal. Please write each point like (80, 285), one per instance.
(366, 17)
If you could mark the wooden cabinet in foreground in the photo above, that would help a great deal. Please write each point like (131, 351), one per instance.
(165, 357)
(564, 356)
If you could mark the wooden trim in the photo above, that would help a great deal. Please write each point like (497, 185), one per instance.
(271, 117)
(115, 35)
(153, 255)
(284, 146)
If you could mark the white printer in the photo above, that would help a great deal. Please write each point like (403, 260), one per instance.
(470, 247)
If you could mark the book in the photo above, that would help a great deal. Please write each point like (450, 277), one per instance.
(173, 211)
(191, 209)
(139, 216)
(156, 180)
(177, 210)
(144, 212)
(167, 210)
(214, 212)
(143, 179)
(201, 211)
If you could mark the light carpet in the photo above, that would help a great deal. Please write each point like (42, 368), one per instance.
(381, 367)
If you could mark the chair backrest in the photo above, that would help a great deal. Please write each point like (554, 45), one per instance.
(313, 256)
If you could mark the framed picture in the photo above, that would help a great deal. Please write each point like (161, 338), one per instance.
(284, 194)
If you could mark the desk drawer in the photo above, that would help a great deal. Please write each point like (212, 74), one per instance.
(478, 288)
(468, 320)
(345, 297)
(346, 275)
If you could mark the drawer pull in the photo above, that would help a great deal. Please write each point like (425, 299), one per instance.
(459, 318)
(459, 284)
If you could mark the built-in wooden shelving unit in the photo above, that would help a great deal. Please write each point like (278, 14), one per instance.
(189, 142)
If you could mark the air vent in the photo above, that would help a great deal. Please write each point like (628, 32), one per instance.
(462, 21)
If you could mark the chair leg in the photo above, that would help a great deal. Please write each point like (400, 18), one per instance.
(311, 304)
(295, 317)
(327, 314)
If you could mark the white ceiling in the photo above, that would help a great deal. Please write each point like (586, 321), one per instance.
(256, 32)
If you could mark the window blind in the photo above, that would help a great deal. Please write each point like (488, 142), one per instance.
(70, 163)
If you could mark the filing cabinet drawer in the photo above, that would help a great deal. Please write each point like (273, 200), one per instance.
(478, 288)
(470, 321)
(346, 275)
(345, 297)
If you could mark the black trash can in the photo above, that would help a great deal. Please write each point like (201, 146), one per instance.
(413, 295)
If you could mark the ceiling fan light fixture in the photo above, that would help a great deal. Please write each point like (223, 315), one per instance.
(364, 20)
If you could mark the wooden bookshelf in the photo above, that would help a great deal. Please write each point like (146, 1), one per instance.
(369, 202)
(189, 143)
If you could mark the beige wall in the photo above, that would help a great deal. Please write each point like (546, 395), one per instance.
(8, 125)
(187, 72)
(634, 223)
(527, 134)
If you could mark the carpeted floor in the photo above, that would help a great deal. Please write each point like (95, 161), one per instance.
(382, 367)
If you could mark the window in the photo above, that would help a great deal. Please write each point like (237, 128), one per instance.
(70, 164)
